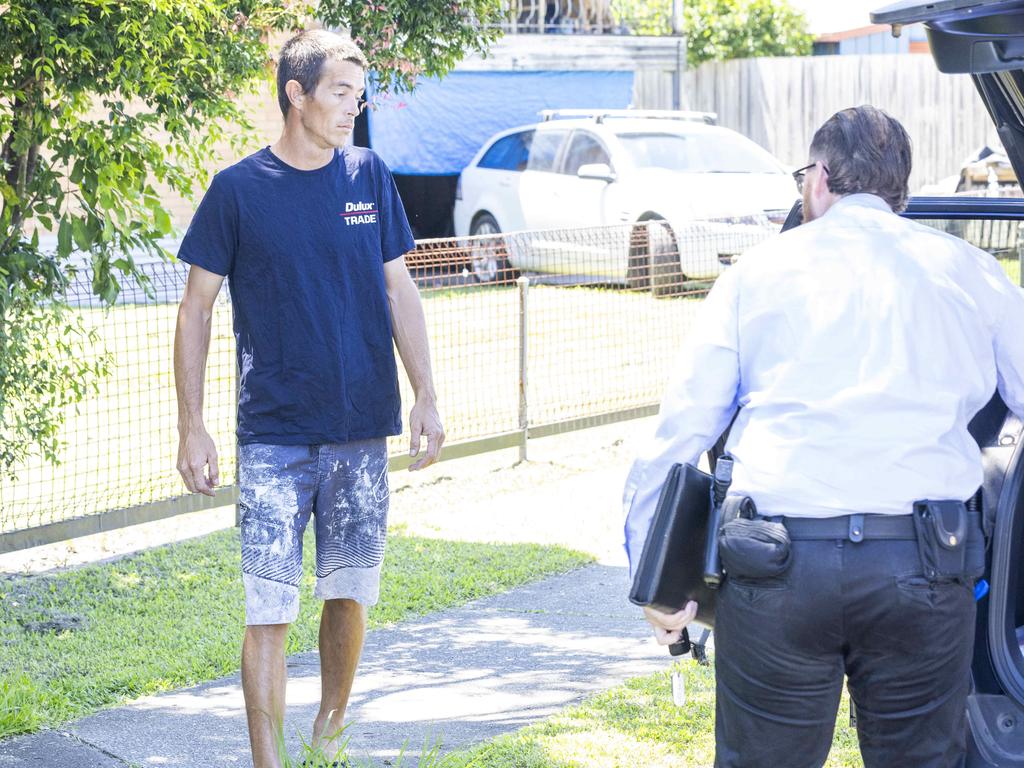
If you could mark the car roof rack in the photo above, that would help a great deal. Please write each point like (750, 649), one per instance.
(600, 115)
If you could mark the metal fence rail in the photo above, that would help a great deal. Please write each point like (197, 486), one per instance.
(531, 333)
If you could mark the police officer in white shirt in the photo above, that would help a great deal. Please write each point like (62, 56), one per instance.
(853, 351)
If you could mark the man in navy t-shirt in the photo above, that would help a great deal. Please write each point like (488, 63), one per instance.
(311, 234)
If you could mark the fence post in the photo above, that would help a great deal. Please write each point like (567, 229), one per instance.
(524, 417)
(678, 21)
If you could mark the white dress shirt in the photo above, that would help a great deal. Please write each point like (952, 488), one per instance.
(857, 348)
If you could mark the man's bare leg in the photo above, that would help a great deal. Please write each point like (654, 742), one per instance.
(264, 677)
(342, 628)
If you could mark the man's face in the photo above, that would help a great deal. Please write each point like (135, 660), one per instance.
(328, 114)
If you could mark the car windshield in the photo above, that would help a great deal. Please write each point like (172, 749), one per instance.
(698, 153)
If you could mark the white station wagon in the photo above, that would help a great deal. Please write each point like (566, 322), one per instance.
(592, 168)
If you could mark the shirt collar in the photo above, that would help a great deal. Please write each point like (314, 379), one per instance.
(861, 199)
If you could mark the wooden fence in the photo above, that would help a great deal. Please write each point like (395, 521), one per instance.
(779, 102)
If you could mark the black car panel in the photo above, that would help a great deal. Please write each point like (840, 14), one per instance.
(998, 736)
(914, 11)
(974, 37)
(1003, 95)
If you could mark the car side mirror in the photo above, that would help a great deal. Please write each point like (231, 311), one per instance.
(601, 171)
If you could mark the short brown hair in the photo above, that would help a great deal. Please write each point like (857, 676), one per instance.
(302, 60)
(865, 150)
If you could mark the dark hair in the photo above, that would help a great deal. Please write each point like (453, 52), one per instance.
(866, 150)
(302, 60)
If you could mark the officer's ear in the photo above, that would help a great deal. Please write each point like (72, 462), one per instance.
(296, 96)
(821, 177)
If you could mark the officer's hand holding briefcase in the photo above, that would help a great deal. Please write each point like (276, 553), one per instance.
(696, 530)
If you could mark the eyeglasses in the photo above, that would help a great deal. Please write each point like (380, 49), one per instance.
(799, 173)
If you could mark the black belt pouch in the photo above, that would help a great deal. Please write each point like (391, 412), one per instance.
(949, 540)
(754, 549)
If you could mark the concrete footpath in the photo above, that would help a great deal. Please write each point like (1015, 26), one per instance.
(458, 677)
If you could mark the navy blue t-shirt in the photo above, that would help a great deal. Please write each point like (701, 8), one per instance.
(304, 254)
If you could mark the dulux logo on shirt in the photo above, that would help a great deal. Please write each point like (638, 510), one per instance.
(360, 213)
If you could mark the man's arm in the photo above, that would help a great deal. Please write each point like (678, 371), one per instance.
(410, 332)
(1009, 351)
(196, 450)
(700, 400)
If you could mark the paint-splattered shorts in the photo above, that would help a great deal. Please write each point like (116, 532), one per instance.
(344, 486)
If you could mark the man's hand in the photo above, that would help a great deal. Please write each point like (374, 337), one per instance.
(668, 627)
(195, 451)
(424, 421)
(191, 345)
(410, 331)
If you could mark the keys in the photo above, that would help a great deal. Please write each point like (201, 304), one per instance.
(698, 647)
(699, 653)
(697, 650)
(683, 646)
(678, 688)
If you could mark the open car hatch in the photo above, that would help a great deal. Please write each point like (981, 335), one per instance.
(983, 38)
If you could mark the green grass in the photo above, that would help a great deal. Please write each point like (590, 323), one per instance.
(77, 641)
(1012, 268)
(635, 725)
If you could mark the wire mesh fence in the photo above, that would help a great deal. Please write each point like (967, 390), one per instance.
(119, 446)
(531, 333)
(528, 330)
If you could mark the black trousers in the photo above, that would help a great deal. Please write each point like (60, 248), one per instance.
(782, 646)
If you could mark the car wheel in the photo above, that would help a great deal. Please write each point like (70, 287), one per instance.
(654, 259)
(488, 259)
(638, 268)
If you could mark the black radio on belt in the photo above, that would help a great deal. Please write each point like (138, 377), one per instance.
(949, 540)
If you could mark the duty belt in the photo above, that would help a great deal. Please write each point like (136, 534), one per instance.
(852, 527)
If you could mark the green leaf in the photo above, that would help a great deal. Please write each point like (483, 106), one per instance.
(80, 231)
(64, 239)
(10, 196)
(110, 291)
(163, 221)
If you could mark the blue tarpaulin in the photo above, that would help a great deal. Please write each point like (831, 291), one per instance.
(436, 129)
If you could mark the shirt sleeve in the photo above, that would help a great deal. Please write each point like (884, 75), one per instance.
(211, 241)
(1009, 351)
(395, 234)
(699, 402)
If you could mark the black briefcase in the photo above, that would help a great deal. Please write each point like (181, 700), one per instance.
(671, 567)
